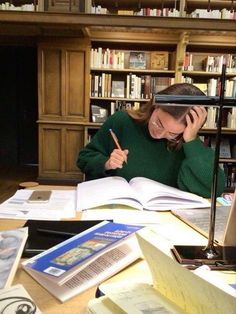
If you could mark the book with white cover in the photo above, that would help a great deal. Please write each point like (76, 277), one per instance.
(139, 192)
(11, 246)
(85, 260)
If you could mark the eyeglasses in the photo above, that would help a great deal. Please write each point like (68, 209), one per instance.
(172, 137)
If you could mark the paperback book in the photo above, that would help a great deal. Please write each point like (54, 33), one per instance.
(11, 246)
(140, 193)
(137, 60)
(85, 260)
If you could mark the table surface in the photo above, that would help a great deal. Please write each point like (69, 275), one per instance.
(77, 305)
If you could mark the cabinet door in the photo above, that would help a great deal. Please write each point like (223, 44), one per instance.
(59, 146)
(62, 5)
(63, 81)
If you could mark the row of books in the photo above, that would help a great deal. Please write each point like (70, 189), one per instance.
(212, 86)
(210, 63)
(135, 87)
(100, 114)
(106, 58)
(11, 7)
(114, 59)
(229, 117)
(213, 14)
(230, 174)
(225, 148)
(169, 12)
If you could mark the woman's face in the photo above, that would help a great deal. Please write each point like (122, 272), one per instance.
(162, 125)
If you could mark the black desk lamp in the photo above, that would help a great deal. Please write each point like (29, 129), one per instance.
(212, 255)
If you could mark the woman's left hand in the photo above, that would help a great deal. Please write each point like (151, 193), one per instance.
(194, 123)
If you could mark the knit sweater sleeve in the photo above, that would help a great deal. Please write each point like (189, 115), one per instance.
(196, 171)
(92, 157)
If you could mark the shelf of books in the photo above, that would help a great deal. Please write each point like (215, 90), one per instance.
(124, 79)
(227, 145)
(168, 8)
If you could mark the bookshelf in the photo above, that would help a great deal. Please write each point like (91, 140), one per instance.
(126, 78)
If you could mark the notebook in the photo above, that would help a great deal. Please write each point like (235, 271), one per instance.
(199, 219)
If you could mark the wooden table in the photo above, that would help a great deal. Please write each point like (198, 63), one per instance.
(77, 305)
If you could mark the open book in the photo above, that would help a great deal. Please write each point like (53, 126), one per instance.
(85, 260)
(140, 193)
(203, 290)
(11, 246)
(175, 289)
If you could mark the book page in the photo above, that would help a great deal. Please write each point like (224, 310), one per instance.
(105, 191)
(157, 196)
(141, 298)
(182, 286)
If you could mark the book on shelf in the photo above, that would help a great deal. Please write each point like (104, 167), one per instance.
(140, 193)
(118, 89)
(11, 246)
(225, 151)
(137, 60)
(85, 260)
(14, 299)
(159, 60)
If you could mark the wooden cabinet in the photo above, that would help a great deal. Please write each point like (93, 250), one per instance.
(59, 147)
(63, 102)
(63, 80)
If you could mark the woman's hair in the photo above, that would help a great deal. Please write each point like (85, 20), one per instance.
(177, 112)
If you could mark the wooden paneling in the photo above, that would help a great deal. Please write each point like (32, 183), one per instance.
(74, 141)
(50, 75)
(75, 83)
(62, 5)
(50, 159)
(64, 80)
(59, 146)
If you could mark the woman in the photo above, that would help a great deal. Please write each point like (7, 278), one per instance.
(159, 142)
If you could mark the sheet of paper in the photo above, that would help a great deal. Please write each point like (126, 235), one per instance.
(61, 205)
(121, 215)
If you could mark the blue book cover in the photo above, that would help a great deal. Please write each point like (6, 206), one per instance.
(79, 249)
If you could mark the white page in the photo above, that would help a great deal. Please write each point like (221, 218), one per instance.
(121, 215)
(156, 195)
(105, 191)
(61, 205)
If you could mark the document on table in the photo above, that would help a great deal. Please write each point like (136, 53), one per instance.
(61, 205)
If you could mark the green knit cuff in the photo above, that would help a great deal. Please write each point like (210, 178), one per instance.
(194, 147)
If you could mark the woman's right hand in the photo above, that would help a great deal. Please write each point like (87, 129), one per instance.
(117, 158)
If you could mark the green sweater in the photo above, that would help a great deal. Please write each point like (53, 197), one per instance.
(189, 169)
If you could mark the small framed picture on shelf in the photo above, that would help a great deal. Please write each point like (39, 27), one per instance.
(159, 60)
(137, 60)
(118, 89)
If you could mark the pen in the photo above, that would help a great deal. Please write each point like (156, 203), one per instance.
(115, 139)
(55, 232)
